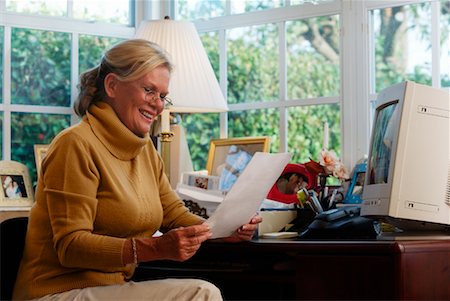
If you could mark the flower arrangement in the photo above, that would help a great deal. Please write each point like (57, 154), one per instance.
(332, 165)
(328, 165)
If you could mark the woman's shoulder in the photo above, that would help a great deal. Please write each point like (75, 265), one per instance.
(76, 134)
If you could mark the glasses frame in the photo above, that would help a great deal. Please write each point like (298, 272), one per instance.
(153, 95)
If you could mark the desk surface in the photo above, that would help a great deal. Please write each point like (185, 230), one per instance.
(269, 269)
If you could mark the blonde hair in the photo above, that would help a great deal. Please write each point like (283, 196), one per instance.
(128, 60)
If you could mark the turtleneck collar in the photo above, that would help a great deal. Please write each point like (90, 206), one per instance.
(113, 134)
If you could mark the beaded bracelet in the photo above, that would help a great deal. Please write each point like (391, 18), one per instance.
(133, 245)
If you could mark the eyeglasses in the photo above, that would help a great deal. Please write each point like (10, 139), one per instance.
(152, 95)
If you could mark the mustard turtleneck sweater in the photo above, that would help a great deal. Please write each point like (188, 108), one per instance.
(99, 185)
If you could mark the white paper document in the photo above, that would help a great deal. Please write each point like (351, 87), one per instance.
(246, 195)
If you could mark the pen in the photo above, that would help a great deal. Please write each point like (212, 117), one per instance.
(302, 196)
(333, 196)
(316, 202)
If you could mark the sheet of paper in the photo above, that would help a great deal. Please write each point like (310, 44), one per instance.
(246, 195)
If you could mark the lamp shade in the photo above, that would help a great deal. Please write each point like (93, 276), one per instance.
(193, 86)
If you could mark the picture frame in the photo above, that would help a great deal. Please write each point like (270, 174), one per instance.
(40, 150)
(219, 150)
(355, 189)
(16, 188)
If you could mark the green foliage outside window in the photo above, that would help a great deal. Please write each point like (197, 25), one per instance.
(200, 129)
(305, 130)
(28, 129)
(253, 71)
(40, 67)
(252, 123)
(92, 49)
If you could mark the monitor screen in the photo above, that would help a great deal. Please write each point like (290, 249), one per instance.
(385, 131)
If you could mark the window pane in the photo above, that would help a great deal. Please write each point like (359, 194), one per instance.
(40, 7)
(199, 9)
(30, 129)
(1, 63)
(254, 123)
(305, 131)
(40, 65)
(91, 49)
(200, 129)
(445, 46)
(242, 6)
(117, 11)
(253, 64)
(297, 2)
(402, 44)
(313, 57)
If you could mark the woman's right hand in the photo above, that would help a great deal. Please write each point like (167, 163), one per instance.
(178, 244)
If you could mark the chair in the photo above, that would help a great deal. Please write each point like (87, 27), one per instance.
(12, 241)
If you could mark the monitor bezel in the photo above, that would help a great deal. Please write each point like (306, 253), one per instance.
(377, 196)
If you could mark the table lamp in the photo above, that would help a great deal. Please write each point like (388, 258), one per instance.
(193, 86)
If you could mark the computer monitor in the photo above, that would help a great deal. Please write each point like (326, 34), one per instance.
(408, 168)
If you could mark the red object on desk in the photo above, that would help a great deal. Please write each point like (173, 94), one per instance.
(276, 195)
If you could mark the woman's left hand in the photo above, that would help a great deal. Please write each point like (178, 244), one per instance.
(245, 232)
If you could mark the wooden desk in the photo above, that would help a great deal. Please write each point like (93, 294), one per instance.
(345, 270)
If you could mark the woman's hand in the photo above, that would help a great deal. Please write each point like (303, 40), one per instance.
(178, 244)
(245, 232)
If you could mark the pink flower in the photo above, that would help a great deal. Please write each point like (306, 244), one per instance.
(332, 165)
(340, 171)
(328, 160)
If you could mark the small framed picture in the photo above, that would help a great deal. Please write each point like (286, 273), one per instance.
(355, 190)
(40, 150)
(227, 158)
(17, 190)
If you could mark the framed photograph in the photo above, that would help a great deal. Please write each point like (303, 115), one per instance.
(17, 190)
(227, 158)
(355, 189)
(40, 150)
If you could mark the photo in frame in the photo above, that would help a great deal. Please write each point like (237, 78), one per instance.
(40, 150)
(227, 158)
(17, 190)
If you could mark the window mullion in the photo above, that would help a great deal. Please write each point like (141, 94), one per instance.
(435, 44)
(223, 66)
(70, 8)
(7, 93)
(283, 126)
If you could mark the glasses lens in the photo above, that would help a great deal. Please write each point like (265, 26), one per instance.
(167, 102)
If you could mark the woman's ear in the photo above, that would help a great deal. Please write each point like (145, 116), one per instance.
(110, 83)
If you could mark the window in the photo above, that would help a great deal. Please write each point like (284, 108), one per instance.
(42, 75)
(40, 67)
(261, 99)
(117, 11)
(206, 9)
(402, 44)
(283, 69)
(253, 74)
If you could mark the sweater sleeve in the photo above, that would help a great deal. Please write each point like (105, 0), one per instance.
(71, 182)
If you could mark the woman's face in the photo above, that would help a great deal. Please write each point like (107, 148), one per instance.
(129, 100)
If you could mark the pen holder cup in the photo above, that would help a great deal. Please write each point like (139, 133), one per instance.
(304, 218)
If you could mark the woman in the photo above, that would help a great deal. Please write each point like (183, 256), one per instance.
(102, 194)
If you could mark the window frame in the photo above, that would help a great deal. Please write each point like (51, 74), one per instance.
(357, 75)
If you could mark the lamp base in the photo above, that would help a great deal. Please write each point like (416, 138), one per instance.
(166, 139)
